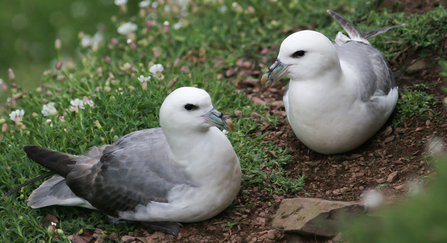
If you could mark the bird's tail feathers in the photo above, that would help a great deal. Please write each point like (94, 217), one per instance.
(349, 27)
(56, 162)
(371, 33)
(355, 33)
(55, 192)
(48, 174)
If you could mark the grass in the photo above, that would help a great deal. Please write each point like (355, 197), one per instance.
(108, 76)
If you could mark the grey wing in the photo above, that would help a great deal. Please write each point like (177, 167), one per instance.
(135, 170)
(376, 77)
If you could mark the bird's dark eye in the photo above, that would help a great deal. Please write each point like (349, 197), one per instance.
(299, 53)
(190, 107)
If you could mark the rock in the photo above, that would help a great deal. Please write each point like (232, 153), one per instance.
(271, 234)
(418, 66)
(127, 238)
(391, 177)
(258, 101)
(389, 139)
(294, 213)
(388, 131)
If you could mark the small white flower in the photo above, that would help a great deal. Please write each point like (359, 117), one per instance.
(223, 9)
(127, 27)
(167, 8)
(86, 40)
(144, 4)
(182, 3)
(155, 4)
(142, 78)
(17, 115)
(89, 102)
(98, 37)
(120, 2)
(49, 109)
(225, 132)
(372, 199)
(180, 24)
(76, 105)
(157, 68)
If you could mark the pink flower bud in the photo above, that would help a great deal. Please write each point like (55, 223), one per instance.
(133, 45)
(148, 23)
(108, 59)
(166, 27)
(177, 62)
(156, 53)
(57, 44)
(172, 82)
(11, 74)
(114, 41)
(60, 77)
(58, 65)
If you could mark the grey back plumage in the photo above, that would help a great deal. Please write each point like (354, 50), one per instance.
(361, 55)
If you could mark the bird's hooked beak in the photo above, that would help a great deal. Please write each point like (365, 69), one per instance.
(276, 71)
(217, 119)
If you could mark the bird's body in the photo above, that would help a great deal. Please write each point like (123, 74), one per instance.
(340, 93)
(185, 171)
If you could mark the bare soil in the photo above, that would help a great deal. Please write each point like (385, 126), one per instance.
(388, 161)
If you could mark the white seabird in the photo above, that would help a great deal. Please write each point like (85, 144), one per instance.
(185, 171)
(340, 93)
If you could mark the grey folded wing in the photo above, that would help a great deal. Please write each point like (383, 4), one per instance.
(135, 170)
(375, 75)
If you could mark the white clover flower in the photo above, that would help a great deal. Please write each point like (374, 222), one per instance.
(143, 79)
(127, 27)
(157, 68)
(155, 4)
(49, 109)
(144, 4)
(17, 115)
(120, 2)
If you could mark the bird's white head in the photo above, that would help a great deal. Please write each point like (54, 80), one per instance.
(302, 56)
(190, 109)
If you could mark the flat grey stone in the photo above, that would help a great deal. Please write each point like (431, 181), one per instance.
(418, 66)
(312, 215)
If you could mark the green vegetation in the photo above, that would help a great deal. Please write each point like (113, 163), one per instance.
(108, 75)
(421, 218)
(413, 102)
